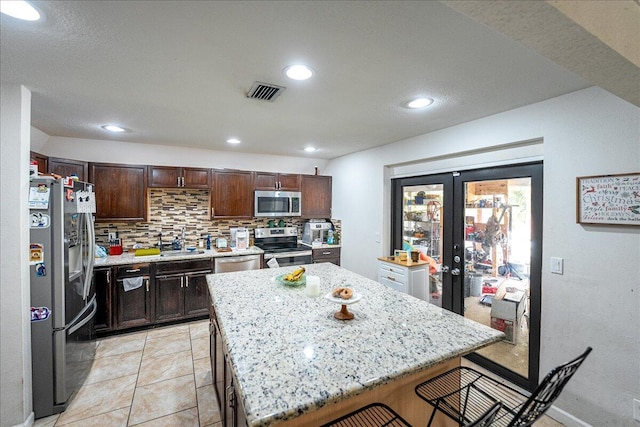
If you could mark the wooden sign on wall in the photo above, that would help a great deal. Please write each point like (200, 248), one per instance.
(608, 199)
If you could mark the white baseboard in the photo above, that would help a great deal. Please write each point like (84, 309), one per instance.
(28, 422)
(566, 418)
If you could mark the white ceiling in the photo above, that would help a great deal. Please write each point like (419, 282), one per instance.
(177, 72)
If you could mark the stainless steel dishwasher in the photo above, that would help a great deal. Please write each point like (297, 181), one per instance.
(237, 263)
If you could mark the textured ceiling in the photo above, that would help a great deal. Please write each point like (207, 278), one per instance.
(177, 72)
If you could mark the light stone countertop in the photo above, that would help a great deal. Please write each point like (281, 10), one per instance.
(290, 356)
(130, 258)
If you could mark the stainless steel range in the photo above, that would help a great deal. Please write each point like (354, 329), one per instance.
(282, 244)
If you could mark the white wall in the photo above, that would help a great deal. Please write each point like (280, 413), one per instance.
(93, 150)
(15, 326)
(597, 300)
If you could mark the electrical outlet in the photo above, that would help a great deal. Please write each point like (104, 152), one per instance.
(557, 265)
(636, 409)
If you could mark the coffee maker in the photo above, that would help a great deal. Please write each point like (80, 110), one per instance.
(316, 232)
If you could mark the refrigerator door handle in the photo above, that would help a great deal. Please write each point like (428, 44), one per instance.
(94, 308)
(90, 253)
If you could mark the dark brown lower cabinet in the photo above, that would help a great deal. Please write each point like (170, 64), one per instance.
(327, 255)
(135, 307)
(104, 294)
(181, 289)
(231, 408)
(169, 297)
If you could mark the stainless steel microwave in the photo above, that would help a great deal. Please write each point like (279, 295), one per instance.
(277, 203)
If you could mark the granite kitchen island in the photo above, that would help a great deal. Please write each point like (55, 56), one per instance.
(280, 357)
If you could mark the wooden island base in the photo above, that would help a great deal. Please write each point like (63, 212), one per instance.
(399, 395)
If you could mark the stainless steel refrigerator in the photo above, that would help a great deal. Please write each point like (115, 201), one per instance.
(63, 301)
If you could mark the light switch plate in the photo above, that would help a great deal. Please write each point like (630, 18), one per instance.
(377, 237)
(636, 409)
(557, 265)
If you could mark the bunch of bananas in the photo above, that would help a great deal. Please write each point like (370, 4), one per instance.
(295, 275)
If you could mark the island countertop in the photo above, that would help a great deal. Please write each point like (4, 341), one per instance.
(290, 356)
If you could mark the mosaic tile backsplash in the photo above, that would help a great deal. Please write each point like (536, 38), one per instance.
(172, 209)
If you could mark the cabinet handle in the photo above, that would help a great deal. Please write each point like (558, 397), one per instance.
(109, 277)
(231, 397)
(186, 280)
(182, 178)
(178, 178)
(326, 253)
(391, 278)
(133, 271)
(182, 282)
(147, 285)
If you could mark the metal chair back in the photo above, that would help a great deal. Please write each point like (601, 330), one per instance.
(547, 392)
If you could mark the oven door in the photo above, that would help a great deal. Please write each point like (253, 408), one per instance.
(291, 258)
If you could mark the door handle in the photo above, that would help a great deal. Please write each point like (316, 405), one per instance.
(455, 272)
(445, 268)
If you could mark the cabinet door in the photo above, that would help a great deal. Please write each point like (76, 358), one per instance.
(316, 196)
(232, 195)
(67, 167)
(217, 366)
(276, 181)
(120, 191)
(164, 177)
(102, 285)
(43, 161)
(135, 306)
(169, 297)
(265, 181)
(196, 178)
(289, 182)
(196, 295)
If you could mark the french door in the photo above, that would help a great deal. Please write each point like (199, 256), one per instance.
(481, 232)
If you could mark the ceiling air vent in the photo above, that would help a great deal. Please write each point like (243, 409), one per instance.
(265, 91)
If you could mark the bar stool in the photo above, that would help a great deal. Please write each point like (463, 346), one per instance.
(380, 415)
(462, 393)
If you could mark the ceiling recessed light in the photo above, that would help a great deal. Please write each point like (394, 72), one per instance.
(309, 149)
(233, 141)
(114, 128)
(419, 103)
(298, 72)
(19, 9)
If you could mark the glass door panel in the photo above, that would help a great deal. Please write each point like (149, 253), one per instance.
(481, 231)
(497, 248)
(422, 223)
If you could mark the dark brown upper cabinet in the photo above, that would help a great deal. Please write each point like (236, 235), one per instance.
(68, 167)
(276, 181)
(121, 191)
(179, 177)
(42, 160)
(232, 194)
(316, 196)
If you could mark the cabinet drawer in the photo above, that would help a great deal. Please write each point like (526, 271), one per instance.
(393, 270)
(325, 254)
(200, 265)
(398, 286)
(133, 270)
(393, 276)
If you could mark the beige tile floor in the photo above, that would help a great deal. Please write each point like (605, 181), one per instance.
(158, 378)
(161, 377)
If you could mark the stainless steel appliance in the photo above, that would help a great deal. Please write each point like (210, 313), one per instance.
(237, 263)
(316, 231)
(281, 244)
(63, 301)
(277, 203)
